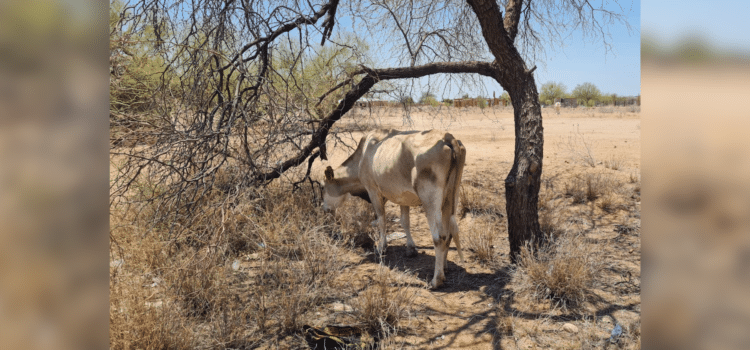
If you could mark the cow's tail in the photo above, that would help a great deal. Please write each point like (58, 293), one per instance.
(450, 201)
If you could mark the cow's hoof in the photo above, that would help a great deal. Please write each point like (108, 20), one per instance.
(411, 252)
(436, 283)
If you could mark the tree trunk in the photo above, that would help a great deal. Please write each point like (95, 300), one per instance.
(523, 181)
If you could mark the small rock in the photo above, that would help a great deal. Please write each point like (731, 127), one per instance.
(616, 332)
(155, 282)
(395, 236)
(116, 263)
(341, 307)
(236, 265)
(570, 328)
(154, 303)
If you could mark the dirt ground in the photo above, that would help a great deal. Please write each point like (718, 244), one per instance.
(473, 309)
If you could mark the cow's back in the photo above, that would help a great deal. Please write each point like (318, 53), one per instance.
(394, 161)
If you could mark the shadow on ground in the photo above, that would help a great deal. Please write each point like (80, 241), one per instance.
(492, 286)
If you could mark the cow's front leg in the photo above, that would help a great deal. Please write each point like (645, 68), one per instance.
(411, 247)
(378, 203)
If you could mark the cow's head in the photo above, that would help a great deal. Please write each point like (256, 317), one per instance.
(333, 196)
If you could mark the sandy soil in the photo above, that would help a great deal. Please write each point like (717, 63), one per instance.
(465, 312)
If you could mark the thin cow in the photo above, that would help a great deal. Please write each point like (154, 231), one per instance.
(409, 168)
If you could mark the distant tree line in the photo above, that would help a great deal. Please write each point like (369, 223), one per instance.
(586, 94)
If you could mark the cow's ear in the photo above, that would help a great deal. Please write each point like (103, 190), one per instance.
(329, 173)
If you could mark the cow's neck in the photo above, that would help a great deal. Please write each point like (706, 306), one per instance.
(349, 182)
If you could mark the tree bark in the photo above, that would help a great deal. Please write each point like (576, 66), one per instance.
(523, 182)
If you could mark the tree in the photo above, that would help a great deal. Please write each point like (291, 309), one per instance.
(429, 99)
(552, 90)
(585, 92)
(228, 49)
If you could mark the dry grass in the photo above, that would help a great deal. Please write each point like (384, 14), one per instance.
(552, 222)
(479, 236)
(633, 178)
(354, 219)
(479, 199)
(485, 208)
(564, 272)
(239, 277)
(611, 202)
(588, 187)
(384, 304)
(580, 148)
(614, 163)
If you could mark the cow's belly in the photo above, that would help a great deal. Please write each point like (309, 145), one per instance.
(408, 198)
(398, 190)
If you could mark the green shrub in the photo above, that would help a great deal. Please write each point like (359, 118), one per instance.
(481, 102)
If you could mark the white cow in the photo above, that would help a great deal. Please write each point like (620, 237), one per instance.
(408, 168)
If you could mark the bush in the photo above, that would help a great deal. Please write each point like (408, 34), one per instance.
(430, 100)
(563, 271)
(479, 237)
(481, 102)
(589, 187)
(479, 202)
(384, 303)
(237, 277)
(614, 163)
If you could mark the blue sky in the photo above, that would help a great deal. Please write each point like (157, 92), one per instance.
(724, 24)
(574, 62)
(617, 71)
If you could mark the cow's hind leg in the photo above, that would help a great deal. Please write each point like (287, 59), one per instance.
(440, 236)
(411, 247)
(378, 203)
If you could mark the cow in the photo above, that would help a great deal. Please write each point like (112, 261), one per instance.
(409, 168)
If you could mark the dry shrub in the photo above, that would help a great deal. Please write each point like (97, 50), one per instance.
(505, 324)
(580, 148)
(614, 163)
(479, 237)
(563, 271)
(385, 303)
(589, 187)
(633, 178)
(546, 196)
(134, 324)
(479, 202)
(206, 302)
(575, 190)
(610, 202)
(551, 222)
(354, 220)
(196, 281)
